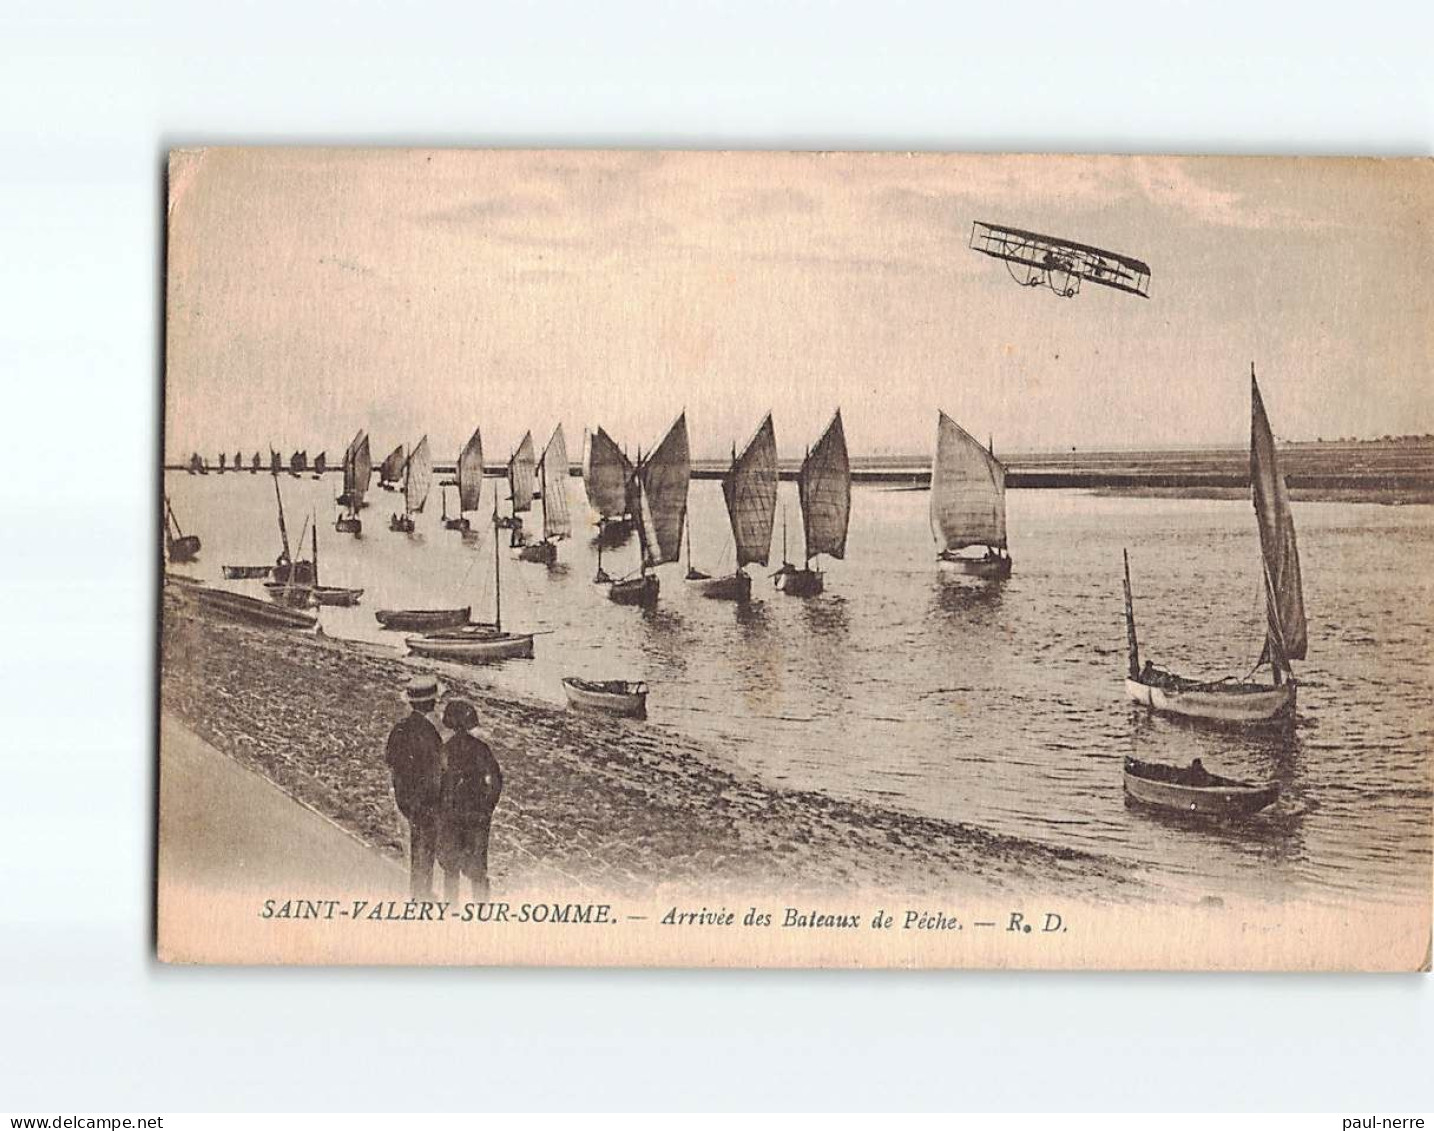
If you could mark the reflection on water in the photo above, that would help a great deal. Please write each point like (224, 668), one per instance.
(1000, 704)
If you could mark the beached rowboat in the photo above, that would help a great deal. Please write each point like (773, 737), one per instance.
(1192, 789)
(251, 610)
(612, 696)
(422, 620)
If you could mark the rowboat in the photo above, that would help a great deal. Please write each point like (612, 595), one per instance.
(251, 610)
(290, 594)
(422, 620)
(246, 572)
(612, 696)
(968, 504)
(478, 643)
(824, 492)
(473, 644)
(749, 488)
(657, 496)
(1241, 702)
(1193, 789)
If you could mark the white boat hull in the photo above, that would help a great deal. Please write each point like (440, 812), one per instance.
(631, 704)
(1236, 707)
(475, 649)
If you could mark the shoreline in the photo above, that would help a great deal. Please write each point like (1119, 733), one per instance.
(612, 805)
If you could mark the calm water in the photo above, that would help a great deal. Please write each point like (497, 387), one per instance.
(1000, 705)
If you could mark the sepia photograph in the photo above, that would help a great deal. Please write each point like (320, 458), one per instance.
(769, 559)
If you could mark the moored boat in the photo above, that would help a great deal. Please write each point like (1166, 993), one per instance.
(1242, 702)
(611, 696)
(968, 503)
(246, 572)
(251, 610)
(824, 492)
(422, 620)
(749, 488)
(1193, 789)
(180, 547)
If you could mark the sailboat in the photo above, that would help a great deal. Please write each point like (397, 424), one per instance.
(223, 461)
(238, 461)
(470, 483)
(298, 463)
(1286, 636)
(606, 474)
(968, 503)
(478, 643)
(417, 481)
(521, 471)
(657, 497)
(553, 473)
(357, 471)
(824, 491)
(180, 546)
(320, 464)
(329, 594)
(255, 464)
(287, 571)
(276, 462)
(390, 471)
(750, 490)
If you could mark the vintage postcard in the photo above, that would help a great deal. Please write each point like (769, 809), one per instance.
(797, 559)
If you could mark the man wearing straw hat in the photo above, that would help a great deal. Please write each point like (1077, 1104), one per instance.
(415, 758)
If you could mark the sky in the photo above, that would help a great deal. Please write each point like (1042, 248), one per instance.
(314, 292)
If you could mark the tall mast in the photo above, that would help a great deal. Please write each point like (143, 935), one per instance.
(497, 572)
(283, 530)
(542, 470)
(316, 551)
(1132, 647)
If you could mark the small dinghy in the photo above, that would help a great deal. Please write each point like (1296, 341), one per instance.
(611, 696)
(1193, 789)
(246, 572)
(422, 620)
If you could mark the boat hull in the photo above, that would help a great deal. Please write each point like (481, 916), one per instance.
(990, 569)
(251, 610)
(544, 553)
(184, 548)
(460, 524)
(246, 572)
(336, 595)
(349, 525)
(634, 591)
(737, 587)
(290, 594)
(629, 703)
(478, 648)
(800, 582)
(1236, 705)
(401, 523)
(1221, 798)
(422, 620)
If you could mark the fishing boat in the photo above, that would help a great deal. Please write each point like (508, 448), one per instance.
(251, 610)
(246, 572)
(468, 478)
(553, 474)
(330, 594)
(1193, 789)
(238, 461)
(610, 696)
(223, 462)
(658, 500)
(824, 492)
(607, 472)
(180, 547)
(422, 620)
(321, 464)
(417, 481)
(197, 466)
(522, 469)
(968, 503)
(357, 472)
(749, 489)
(276, 462)
(255, 464)
(298, 463)
(286, 571)
(390, 471)
(478, 643)
(1242, 701)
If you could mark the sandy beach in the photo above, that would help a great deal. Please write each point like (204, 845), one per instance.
(616, 806)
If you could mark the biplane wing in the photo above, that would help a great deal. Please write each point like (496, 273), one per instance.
(1034, 260)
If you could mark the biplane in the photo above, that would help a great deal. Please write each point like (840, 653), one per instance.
(1034, 260)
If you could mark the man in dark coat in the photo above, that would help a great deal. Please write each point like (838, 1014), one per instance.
(472, 782)
(415, 758)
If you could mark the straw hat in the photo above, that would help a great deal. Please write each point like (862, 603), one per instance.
(422, 689)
